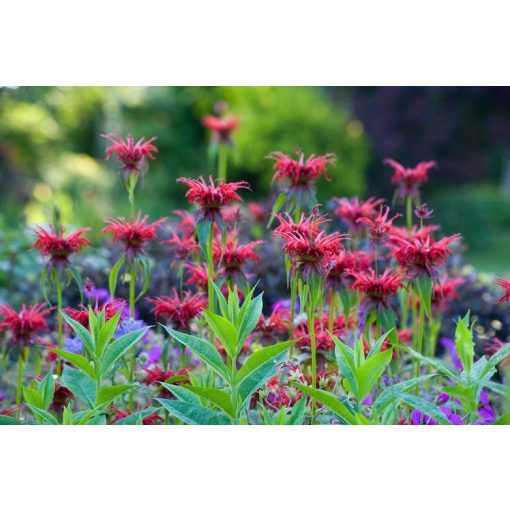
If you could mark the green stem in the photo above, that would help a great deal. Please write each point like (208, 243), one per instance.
(331, 308)
(37, 362)
(60, 331)
(313, 351)
(210, 275)
(132, 283)
(222, 162)
(233, 370)
(20, 379)
(419, 342)
(409, 212)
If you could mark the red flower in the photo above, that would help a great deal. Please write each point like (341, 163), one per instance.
(23, 326)
(300, 173)
(8, 412)
(61, 398)
(377, 288)
(505, 285)
(57, 249)
(421, 255)
(270, 329)
(232, 214)
(351, 210)
(151, 419)
(257, 212)
(307, 226)
(221, 127)
(233, 256)
(187, 224)
(343, 262)
(212, 199)
(132, 156)
(323, 340)
(198, 275)
(423, 212)
(492, 346)
(446, 290)
(311, 254)
(380, 226)
(155, 376)
(184, 247)
(179, 311)
(133, 234)
(409, 180)
(81, 314)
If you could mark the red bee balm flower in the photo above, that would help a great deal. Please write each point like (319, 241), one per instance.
(81, 314)
(233, 256)
(445, 291)
(132, 155)
(409, 180)
(184, 247)
(221, 127)
(212, 199)
(180, 312)
(342, 263)
(23, 326)
(57, 249)
(421, 255)
(306, 226)
(377, 288)
(300, 172)
(133, 234)
(380, 226)
(505, 285)
(352, 210)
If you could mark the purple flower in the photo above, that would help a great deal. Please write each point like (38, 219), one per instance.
(418, 418)
(73, 344)
(485, 411)
(152, 355)
(449, 346)
(453, 418)
(128, 325)
(90, 291)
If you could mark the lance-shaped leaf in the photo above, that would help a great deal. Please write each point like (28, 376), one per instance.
(219, 398)
(181, 393)
(424, 406)
(134, 418)
(370, 372)
(497, 358)
(250, 313)
(119, 347)
(464, 343)
(297, 415)
(109, 393)
(47, 389)
(329, 401)
(77, 360)
(105, 334)
(224, 330)
(193, 414)
(440, 367)
(82, 385)
(345, 359)
(114, 275)
(203, 349)
(45, 415)
(82, 333)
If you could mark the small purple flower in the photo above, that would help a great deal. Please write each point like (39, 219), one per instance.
(152, 356)
(128, 325)
(418, 418)
(368, 400)
(453, 418)
(485, 411)
(73, 344)
(90, 291)
(449, 346)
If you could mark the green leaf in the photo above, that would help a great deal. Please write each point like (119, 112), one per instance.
(221, 300)
(77, 360)
(82, 333)
(359, 353)
(224, 330)
(106, 332)
(45, 415)
(203, 229)
(83, 386)
(120, 346)
(464, 343)
(203, 349)
(193, 414)
(219, 398)
(345, 359)
(134, 418)
(278, 204)
(181, 393)
(146, 269)
(297, 415)
(370, 372)
(67, 416)
(9, 420)
(424, 406)
(424, 286)
(109, 393)
(114, 275)
(261, 357)
(329, 401)
(497, 358)
(250, 318)
(440, 367)
(32, 397)
(377, 346)
(47, 389)
(77, 278)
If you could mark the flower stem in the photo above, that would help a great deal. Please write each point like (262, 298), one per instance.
(60, 333)
(409, 212)
(210, 274)
(222, 162)
(20, 379)
(419, 340)
(313, 351)
(132, 355)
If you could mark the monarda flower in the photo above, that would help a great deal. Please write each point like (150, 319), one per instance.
(179, 311)
(297, 176)
(323, 340)
(183, 248)
(221, 127)
(212, 198)
(409, 180)
(505, 285)
(311, 255)
(492, 346)
(271, 329)
(422, 212)
(233, 256)
(377, 288)
(352, 210)
(380, 226)
(156, 375)
(445, 291)
(56, 249)
(150, 419)
(81, 314)
(198, 275)
(307, 226)
(133, 156)
(187, 223)
(258, 213)
(133, 234)
(341, 265)
(24, 326)
(421, 256)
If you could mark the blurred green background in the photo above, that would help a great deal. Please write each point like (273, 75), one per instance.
(51, 151)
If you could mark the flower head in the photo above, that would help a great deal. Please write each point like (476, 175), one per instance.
(187, 223)
(55, 248)
(132, 155)
(23, 326)
(421, 255)
(81, 314)
(378, 288)
(272, 328)
(505, 285)
(212, 198)
(179, 311)
(133, 234)
(423, 212)
(307, 226)
(380, 226)
(198, 275)
(182, 248)
(409, 180)
(343, 263)
(445, 290)
(352, 210)
(300, 172)
(221, 127)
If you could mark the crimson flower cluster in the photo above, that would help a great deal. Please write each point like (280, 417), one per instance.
(212, 198)
(132, 155)
(23, 326)
(352, 210)
(55, 248)
(133, 234)
(179, 311)
(377, 288)
(221, 127)
(342, 265)
(409, 180)
(81, 314)
(380, 226)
